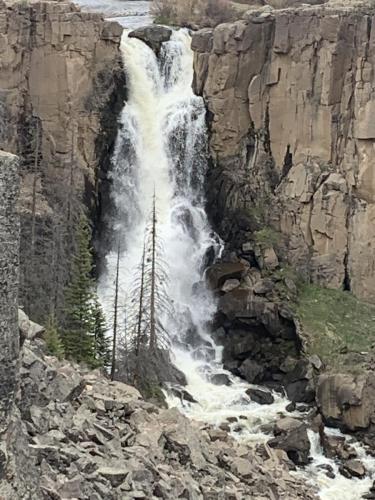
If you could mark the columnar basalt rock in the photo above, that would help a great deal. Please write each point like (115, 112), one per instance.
(290, 100)
(61, 87)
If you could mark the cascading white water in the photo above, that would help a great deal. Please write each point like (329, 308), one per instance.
(161, 148)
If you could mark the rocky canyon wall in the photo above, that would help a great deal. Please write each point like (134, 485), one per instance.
(9, 242)
(290, 96)
(61, 85)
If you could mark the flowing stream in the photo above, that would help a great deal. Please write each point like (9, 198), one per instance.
(162, 148)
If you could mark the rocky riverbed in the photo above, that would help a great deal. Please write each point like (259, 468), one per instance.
(88, 437)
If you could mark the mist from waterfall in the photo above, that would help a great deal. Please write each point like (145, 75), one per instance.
(162, 148)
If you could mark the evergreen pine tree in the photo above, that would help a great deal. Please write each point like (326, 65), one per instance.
(52, 338)
(79, 299)
(101, 341)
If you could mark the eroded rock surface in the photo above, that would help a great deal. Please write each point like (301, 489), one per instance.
(290, 100)
(61, 87)
(347, 401)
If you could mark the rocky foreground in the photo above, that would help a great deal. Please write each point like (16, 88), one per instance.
(83, 436)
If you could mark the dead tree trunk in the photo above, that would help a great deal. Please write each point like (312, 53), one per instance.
(153, 279)
(138, 339)
(115, 316)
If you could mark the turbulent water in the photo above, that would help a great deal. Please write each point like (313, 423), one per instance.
(161, 148)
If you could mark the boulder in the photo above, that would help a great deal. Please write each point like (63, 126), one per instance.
(243, 307)
(220, 379)
(263, 287)
(328, 470)
(114, 475)
(260, 397)
(182, 394)
(251, 371)
(347, 401)
(218, 435)
(291, 436)
(291, 407)
(153, 36)
(336, 447)
(353, 468)
(218, 274)
(28, 329)
(299, 382)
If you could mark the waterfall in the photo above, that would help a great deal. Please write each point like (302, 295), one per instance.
(162, 148)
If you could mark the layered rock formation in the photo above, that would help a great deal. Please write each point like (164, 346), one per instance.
(61, 85)
(290, 100)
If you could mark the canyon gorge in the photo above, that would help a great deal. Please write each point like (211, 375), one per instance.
(252, 145)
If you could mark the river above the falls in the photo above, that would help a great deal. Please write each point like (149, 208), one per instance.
(131, 14)
(161, 155)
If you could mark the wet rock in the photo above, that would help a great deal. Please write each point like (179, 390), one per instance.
(291, 407)
(232, 419)
(204, 353)
(371, 494)
(219, 335)
(153, 36)
(220, 379)
(251, 371)
(353, 468)
(260, 397)
(336, 447)
(291, 436)
(328, 470)
(182, 394)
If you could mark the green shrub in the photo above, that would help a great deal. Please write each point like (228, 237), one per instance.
(267, 237)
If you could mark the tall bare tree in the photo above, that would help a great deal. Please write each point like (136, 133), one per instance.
(115, 314)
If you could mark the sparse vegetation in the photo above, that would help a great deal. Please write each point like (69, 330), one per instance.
(52, 338)
(340, 328)
(193, 13)
(267, 237)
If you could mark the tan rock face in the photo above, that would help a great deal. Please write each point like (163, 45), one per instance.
(63, 68)
(346, 400)
(290, 95)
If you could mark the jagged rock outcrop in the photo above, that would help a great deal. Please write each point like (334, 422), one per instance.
(61, 87)
(153, 36)
(290, 101)
(93, 438)
(9, 241)
(14, 458)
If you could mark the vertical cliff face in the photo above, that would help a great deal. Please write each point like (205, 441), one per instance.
(291, 105)
(60, 81)
(9, 242)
